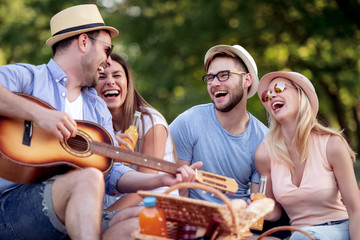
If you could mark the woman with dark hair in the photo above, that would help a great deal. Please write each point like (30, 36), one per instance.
(116, 88)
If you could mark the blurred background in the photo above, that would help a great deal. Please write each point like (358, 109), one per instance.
(165, 42)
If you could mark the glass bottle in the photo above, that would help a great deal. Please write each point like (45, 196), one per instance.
(212, 229)
(133, 131)
(260, 195)
(152, 220)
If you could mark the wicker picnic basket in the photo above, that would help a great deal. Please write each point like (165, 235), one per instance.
(180, 211)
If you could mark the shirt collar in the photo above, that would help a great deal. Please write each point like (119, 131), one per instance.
(59, 76)
(57, 73)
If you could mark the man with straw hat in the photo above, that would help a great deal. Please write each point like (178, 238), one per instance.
(70, 203)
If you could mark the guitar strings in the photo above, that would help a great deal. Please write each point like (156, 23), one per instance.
(100, 147)
(106, 149)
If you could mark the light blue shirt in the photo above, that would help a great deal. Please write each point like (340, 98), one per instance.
(199, 136)
(47, 82)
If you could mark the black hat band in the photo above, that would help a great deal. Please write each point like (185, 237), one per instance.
(73, 29)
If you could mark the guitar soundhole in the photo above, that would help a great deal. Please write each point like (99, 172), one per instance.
(79, 145)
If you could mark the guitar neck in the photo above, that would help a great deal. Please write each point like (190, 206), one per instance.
(27, 153)
(136, 158)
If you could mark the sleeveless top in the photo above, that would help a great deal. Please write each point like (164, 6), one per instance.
(317, 200)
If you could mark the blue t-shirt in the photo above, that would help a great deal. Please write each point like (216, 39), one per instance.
(199, 136)
(47, 82)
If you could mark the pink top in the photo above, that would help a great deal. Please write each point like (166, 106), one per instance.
(317, 200)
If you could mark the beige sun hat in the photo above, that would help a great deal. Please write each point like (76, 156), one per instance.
(295, 77)
(75, 20)
(245, 57)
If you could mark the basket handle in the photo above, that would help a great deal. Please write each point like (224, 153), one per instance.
(210, 190)
(284, 228)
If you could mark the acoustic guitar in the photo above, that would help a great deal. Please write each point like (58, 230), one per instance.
(29, 154)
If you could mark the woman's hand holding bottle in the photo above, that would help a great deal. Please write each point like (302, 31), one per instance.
(128, 139)
(125, 140)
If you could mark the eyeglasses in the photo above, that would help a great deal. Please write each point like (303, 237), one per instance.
(278, 88)
(108, 50)
(221, 76)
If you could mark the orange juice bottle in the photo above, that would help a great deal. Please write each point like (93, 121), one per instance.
(133, 131)
(152, 219)
(260, 195)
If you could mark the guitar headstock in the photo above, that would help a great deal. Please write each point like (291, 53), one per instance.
(220, 182)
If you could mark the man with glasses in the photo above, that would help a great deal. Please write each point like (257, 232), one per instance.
(223, 134)
(69, 203)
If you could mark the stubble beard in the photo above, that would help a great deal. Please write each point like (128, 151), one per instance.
(234, 100)
(90, 76)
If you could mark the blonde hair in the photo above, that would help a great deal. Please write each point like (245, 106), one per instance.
(307, 124)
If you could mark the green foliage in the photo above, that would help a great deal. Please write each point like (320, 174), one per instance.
(165, 41)
(316, 38)
(25, 28)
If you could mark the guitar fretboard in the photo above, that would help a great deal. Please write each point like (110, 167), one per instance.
(136, 158)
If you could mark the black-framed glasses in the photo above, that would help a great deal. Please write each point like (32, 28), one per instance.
(108, 50)
(279, 87)
(221, 76)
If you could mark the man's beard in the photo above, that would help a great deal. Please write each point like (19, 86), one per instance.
(87, 66)
(232, 102)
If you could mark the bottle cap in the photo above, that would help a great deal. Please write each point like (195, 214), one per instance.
(149, 201)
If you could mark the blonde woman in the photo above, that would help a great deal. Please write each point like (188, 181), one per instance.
(309, 166)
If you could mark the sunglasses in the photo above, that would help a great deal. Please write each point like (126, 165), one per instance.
(107, 50)
(278, 88)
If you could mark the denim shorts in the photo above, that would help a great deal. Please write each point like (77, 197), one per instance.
(26, 212)
(336, 230)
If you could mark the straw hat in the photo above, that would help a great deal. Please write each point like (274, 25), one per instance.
(295, 77)
(75, 20)
(245, 57)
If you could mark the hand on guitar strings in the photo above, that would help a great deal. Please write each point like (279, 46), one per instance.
(60, 124)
